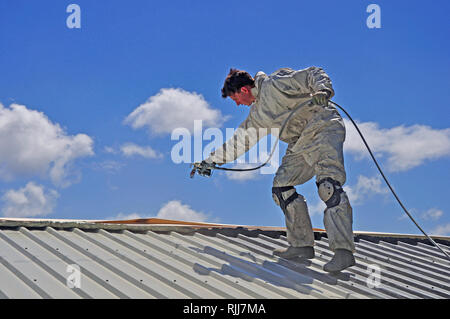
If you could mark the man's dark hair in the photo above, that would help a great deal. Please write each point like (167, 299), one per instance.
(235, 80)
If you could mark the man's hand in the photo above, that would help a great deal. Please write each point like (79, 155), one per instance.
(203, 168)
(320, 98)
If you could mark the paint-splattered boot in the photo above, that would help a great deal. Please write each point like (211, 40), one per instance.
(341, 260)
(293, 252)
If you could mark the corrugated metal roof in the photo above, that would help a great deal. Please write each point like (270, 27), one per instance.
(40, 260)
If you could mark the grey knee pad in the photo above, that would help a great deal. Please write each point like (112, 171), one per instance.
(277, 193)
(330, 191)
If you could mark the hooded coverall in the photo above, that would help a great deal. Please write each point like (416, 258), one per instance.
(315, 135)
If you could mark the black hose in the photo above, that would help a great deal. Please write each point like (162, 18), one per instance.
(370, 152)
(387, 182)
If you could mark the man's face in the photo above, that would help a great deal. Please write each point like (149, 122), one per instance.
(244, 97)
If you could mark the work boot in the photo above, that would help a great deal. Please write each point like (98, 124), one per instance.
(342, 259)
(293, 252)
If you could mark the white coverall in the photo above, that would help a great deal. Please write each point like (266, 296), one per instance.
(315, 135)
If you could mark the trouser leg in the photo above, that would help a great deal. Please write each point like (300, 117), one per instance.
(338, 225)
(299, 231)
(330, 177)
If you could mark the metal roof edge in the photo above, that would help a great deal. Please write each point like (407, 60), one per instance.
(162, 225)
(165, 225)
(94, 225)
(381, 236)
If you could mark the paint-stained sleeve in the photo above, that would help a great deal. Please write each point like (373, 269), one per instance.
(244, 138)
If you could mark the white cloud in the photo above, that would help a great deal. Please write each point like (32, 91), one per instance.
(29, 201)
(122, 216)
(441, 230)
(403, 216)
(178, 211)
(317, 208)
(174, 108)
(30, 144)
(111, 167)
(109, 149)
(174, 210)
(130, 149)
(404, 147)
(433, 214)
(244, 175)
(364, 188)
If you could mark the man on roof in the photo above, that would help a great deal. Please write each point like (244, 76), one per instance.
(315, 135)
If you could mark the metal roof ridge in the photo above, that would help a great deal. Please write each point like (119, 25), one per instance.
(400, 235)
(155, 224)
(158, 224)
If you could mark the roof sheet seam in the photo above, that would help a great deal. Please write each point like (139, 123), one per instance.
(314, 262)
(168, 266)
(226, 281)
(39, 263)
(108, 266)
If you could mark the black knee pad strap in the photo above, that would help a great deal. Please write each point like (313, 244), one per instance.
(284, 202)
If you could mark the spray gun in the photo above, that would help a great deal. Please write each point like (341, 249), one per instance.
(202, 168)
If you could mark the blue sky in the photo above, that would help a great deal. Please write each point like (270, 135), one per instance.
(68, 150)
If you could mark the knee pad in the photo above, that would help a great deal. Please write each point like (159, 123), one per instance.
(330, 191)
(277, 193)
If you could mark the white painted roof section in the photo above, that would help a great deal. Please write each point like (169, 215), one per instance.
(145, 261)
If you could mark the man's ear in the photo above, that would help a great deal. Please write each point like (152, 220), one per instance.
(244, 90)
